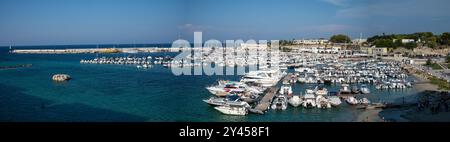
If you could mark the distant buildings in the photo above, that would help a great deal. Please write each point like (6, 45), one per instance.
(311, 41)
(358, 41)
(404, 41)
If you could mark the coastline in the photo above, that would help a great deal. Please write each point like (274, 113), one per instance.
(370, 115)
(405, 114)
(413, 114)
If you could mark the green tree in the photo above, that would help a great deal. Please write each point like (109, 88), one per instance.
(340, 39)
(432, 42)
(398, 43)
(411, 45)
(428, 62)
(384, 43)
(445, 39)
(447, 60)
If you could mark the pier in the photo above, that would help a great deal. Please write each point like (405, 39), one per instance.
(266, 101)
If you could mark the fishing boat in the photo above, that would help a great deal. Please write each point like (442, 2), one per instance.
(295, 101)
(280, 103)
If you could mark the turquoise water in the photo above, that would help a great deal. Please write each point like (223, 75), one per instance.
(124, 93)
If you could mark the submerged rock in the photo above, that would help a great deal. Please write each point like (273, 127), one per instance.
(61, 77)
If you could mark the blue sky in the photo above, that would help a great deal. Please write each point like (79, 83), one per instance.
(41, 22)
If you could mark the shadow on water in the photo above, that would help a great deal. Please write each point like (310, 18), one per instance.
(16, 106)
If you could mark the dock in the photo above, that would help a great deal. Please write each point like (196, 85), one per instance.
(266, 101)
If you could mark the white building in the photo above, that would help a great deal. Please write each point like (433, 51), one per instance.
(406, 40)
(311, 41)
(359, 41)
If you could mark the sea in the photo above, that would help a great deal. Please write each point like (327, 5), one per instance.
(124, 93)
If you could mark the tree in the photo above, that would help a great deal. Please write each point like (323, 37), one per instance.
(411, 45)
(447, 60)
(445, 39)
(398, 43)
(340, 39)
(384, 43)
(432, 42)
(428, 62)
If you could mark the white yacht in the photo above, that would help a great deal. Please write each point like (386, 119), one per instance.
(267, 78)
(225, 87)
(231, 109)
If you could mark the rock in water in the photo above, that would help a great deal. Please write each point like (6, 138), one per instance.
(61, 77)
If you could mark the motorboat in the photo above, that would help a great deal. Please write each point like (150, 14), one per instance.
(334, 100)
(249, 97)
(345, 90)
(365, 89)
(267, 78)
(351, 100)
(322, 102)
(225, 87)
(364, 101)
(322, 91)
(295, 101)
(231, 109)
(280, 103)
(355, 89)
(220, 101)
(309, 100)
(286, 89)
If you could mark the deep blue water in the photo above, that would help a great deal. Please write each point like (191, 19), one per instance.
(125, 93)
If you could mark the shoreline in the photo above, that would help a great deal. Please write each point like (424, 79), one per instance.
(375, 115)
(370, 115)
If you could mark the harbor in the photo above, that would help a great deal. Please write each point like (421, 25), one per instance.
(329, 84)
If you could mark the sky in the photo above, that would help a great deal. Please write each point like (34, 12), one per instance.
(50, 22)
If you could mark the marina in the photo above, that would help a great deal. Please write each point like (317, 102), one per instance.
(324, 83)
